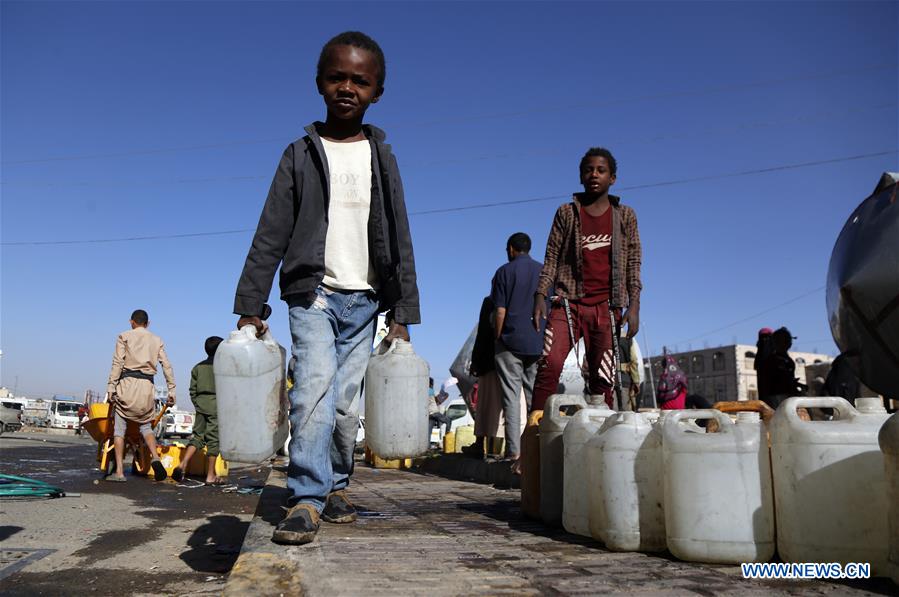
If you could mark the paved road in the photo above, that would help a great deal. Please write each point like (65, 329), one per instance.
(421, 534)
(418, 534)
(134, 538)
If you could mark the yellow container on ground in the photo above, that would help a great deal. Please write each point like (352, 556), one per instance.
(170, 457)
(464, 437)
(530, 466)
(377, 462)
(449, 442)
(197, 465)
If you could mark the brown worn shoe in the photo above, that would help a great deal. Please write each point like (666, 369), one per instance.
(298, 527)
(339, 509)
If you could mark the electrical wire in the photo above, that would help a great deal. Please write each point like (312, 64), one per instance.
(751, 317)
(471, 207)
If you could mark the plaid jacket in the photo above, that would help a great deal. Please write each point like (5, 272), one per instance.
(563, 264)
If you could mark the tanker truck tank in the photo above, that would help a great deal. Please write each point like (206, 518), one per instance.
(863, 289)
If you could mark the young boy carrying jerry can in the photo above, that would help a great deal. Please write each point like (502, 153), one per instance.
(335, 219)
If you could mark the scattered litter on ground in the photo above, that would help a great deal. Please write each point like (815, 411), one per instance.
(251, 490)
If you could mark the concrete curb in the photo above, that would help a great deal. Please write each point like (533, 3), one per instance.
(264, 568)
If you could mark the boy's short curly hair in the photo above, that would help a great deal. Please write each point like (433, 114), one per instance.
(600, 152)
(212, 344)
(357, 39)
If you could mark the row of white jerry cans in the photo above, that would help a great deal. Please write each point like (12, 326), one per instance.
(655, 480)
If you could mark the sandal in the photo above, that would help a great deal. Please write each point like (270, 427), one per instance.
(159, 473)
(114, 479)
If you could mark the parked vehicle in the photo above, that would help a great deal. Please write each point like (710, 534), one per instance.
(179, 423)
(36, 412)
(457, 411)
(63, 414)
(10, 416)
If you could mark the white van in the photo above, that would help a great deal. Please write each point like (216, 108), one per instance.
(457, 411)
(63, 414)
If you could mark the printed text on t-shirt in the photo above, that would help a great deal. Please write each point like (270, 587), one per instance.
(590, 242)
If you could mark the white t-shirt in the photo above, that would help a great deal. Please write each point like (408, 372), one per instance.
(347, 263)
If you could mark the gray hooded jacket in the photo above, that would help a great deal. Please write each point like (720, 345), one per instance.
(294, 223)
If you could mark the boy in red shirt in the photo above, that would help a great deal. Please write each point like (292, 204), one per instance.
(593, 258)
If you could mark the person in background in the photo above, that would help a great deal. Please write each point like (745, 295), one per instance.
(764, 346)
(206, 430)
(779, 371)
(841, 380)
(517, 343)
(671, 392)
(132, 392)
(631, 367)
(488, 409)
(435, 417)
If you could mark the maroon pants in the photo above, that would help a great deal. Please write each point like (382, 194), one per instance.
(590, 323)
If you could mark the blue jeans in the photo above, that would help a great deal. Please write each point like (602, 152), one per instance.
(332, 340)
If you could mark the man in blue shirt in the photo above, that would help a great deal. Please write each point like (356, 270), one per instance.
(518, 344)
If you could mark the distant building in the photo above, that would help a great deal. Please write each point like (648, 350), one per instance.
(724, 373)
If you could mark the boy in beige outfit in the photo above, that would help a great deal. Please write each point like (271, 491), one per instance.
(131, 388)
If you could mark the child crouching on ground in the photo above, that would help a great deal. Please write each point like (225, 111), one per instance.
(206, 427)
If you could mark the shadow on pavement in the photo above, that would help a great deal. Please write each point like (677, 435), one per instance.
(509, 512)
(8, 531)
(215, 545)
(272, 504)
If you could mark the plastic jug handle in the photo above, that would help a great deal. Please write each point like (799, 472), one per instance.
(558, 401)
(386, 347)
(249, 331)
(840, 405)
(676, 416)
(736, 406)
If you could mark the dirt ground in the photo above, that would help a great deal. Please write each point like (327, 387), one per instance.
(135, 538)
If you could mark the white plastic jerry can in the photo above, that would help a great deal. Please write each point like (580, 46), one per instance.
(718, 499)
(396, 403)
(251, 396)
(552, 454)
(889, 445)
(575, 501)
(627, 496)
(829, 483)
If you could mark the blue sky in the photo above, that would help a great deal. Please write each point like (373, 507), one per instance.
(145, 119)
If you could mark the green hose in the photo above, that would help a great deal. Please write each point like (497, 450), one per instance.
(12, 486)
